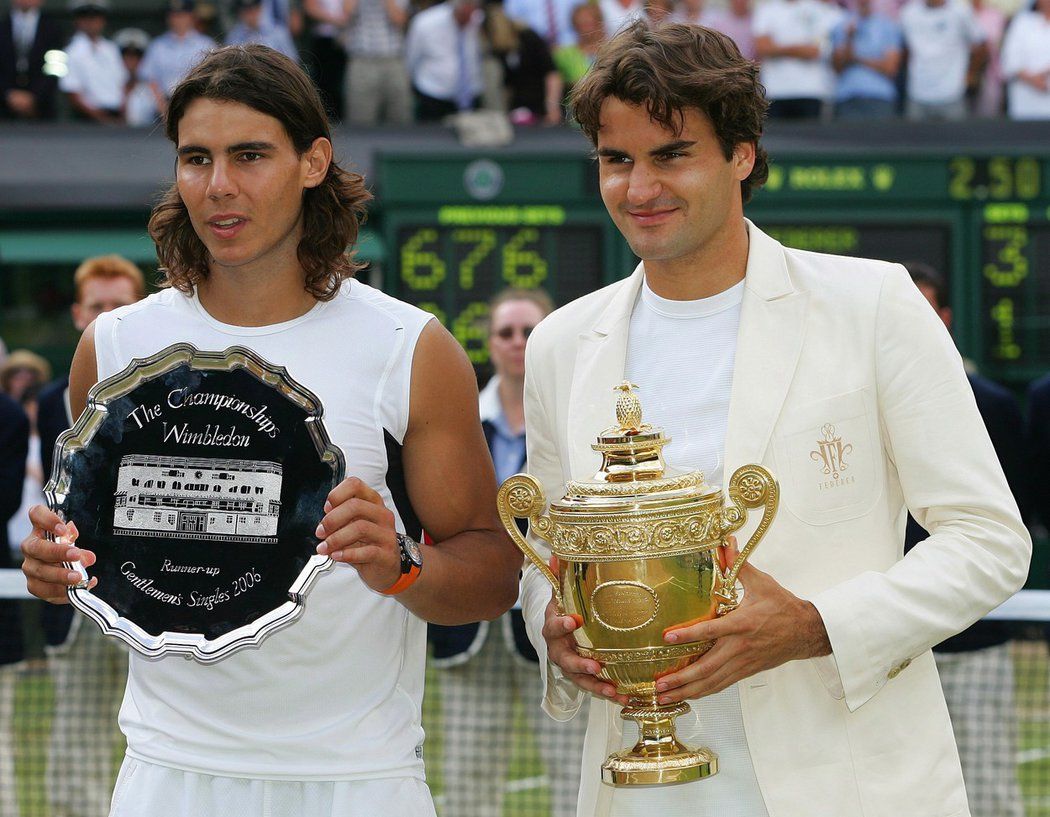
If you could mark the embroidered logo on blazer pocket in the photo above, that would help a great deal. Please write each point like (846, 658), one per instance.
(829, 456)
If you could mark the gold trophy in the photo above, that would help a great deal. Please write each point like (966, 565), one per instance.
(640, 550)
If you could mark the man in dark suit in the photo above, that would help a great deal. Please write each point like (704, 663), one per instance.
(27, 88)
(14, 448)
(1039, 439)
(975, 666)
(88, 669)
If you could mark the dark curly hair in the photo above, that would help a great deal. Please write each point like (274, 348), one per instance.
(671, 67)
(333, 212)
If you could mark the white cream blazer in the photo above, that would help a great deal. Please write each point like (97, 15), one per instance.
(848, 353)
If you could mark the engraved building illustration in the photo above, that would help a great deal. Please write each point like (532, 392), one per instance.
(197, 498)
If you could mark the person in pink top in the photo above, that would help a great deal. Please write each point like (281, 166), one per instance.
(692, 12)
(734, 21)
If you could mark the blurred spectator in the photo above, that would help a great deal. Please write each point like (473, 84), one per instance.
(14, 448)
(734, 21)
(96, 74)
(867, 58)
(533, 85)
(975, 666)
(87, 668)
(19, 526)
(988, 93)
(325, 55)
(140, 108)
(251, 28)
(888, 8)
(619, 14)
(171, 55)
(792, 40)
(377, 85)
(1039, 439)
(443, 54)
(101, 284)
(27, 89)
(551, 19)
(659, 11)
(486, 667)
(575, 60)
(22, 371)
(284, 14)
(691, 12)
(945, 47)
(1026, 63)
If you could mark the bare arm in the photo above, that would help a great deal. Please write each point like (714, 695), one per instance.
(889, 64)
(554, 91)
(78, 102)
(1039, 80)
(978, 60)
(396, 13)
(471, 572)
(842, 57)
(765, 48)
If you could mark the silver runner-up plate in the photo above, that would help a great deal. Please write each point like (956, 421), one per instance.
(198, 479)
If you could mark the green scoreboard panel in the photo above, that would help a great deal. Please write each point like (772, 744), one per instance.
(1013, 296)
(459, 230)
(982, 221)
(459, 227)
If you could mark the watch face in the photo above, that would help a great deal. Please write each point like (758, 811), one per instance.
(411, 550)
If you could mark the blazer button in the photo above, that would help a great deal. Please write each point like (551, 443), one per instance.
(903, 665)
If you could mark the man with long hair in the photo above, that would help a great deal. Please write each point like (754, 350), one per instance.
(820, 695)
(324, 718)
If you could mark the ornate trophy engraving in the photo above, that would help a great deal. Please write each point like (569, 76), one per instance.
(198, 479)
(640, 552)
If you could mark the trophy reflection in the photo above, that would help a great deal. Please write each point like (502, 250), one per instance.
(639, 553)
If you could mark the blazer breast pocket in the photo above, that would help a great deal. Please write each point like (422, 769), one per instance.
(829, 458)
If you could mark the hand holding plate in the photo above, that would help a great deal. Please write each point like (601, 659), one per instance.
(358, 529)
(47, 577)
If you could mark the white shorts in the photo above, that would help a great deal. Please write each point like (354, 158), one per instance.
(159, 791)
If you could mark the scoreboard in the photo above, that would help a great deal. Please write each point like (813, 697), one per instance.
(982, 221)
(458, 231)
(458, 228)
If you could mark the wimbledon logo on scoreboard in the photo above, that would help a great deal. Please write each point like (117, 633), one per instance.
(483, 180)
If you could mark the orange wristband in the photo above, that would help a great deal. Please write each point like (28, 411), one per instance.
(405, 582)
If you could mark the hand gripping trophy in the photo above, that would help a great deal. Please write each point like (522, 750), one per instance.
(641, 551)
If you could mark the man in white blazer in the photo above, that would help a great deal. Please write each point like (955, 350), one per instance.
(820, 695)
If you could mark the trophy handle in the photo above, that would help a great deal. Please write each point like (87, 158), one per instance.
(751, 486)
(521, 497)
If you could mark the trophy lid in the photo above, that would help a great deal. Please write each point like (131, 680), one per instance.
(633, 470)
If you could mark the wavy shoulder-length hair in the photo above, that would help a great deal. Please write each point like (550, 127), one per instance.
(333, 212)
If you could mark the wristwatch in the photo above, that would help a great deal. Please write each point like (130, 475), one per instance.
(411, 564)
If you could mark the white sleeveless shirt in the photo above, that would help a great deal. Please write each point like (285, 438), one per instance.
(338, 694)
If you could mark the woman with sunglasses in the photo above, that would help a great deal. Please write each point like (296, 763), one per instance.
(486, 667)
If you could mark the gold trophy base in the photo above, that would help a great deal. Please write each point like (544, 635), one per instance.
(658, 758)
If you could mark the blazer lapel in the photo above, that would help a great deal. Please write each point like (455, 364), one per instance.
(601, 357)
(769, 342)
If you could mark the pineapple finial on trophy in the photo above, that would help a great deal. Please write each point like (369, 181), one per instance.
(628, 408)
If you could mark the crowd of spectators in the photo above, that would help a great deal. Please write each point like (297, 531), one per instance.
(398, 61)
